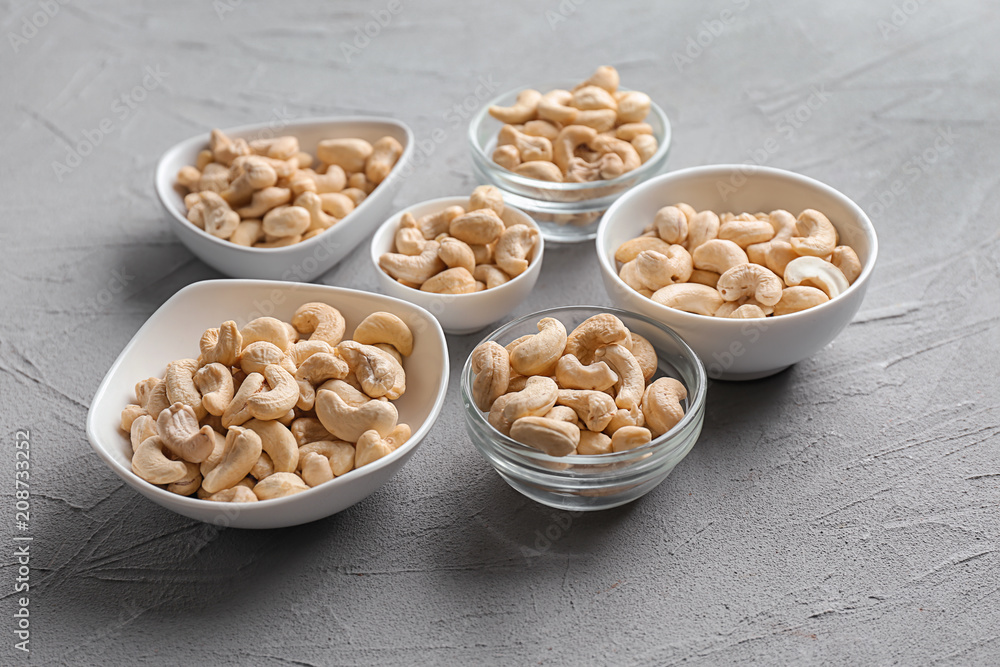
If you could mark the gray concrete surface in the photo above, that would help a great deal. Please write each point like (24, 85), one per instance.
(842, 512)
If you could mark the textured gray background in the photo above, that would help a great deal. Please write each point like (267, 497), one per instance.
(842, 512)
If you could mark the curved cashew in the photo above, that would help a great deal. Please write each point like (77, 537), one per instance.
(718, 255)
(646, 146)
(279, 399)
(539, 128)
(314, 370)
(280, 148)
(794, 299)
(661, 405)
(783, 223)
(746, 231)
(143, 428)
(215, 382)
(349, 389)
(570, 138)
(655, 270)
(689, 297)
(477, 227)
(563, 413)
(552, 436)
(496, 418)
(259, 355)
(491, 275)
(630, 131)
(451, 281)
(623, 418)
(279, 485)
(815, 235)
(340, 454)
(217, 218)
(316, 469)
(408, 240)
(318, 218)
(309, 429)
(285, 221)
(571, 374)
(385, 153)
(416, 269)
(349, 154)
(487, 196)
(242, 449)
(180, 385)
(710, 278)
(508, 157)
(538, 397)
(624, 150)
(217, 451)
(370, 448)
(263, 468)
(321, 320)
(631, 381)
(729, 308)
(540, 353)
(750, 280)
(845, 259)
(633, 106)
(602, 120)
(250, 174)
(529, 148)
(702, 226)
(130, 414)
(278, 443)
(542, 171)
(264, 200)
(671, 224)
(178, 428)
(630, 249)
(748, 311)
(605, 77)
(433, 225)
(304, 349)
(645, 354)
(490, 365)
(521, 111)
(595, 332)
(157, 400)
(337, 204)
(554, 106)
(238, 411)
(188, 484)
(589, 98)
(594, 408)
(151, 464)
(457, 254)
(593, 443)
(382, 327)
(514, 248)
(630, 437)
(221, 345)
(816, 272)
(267, 329)
(348, 423)
(778, 255)
(236, 494)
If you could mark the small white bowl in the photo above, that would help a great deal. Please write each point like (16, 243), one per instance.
(741, 349)
(459, 313)
(303, 261)
(173, 331)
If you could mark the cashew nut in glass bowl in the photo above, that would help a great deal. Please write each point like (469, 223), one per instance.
(460, 250)
(274, 408)
(747, 265)
(593, 132)
(265, 193)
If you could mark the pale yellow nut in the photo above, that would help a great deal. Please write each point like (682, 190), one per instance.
(151, 464)
(718, 255)
(816, 272)
(540, 353)
(143, 428)
(490, 275)
(259, 355)
(794, 299)
(750, 280)
(278, 443)
(318, 218)
(555, 106)
(188, 484)
(661, 405)
(249, 174)
(278, 399)
(595, 409)
(433, 225)
(242, 449)
(646, 146)
(671, 224)
(178, 427)
(321, 321)
(690, 298)
(509, 157)
(514, 248)
(541, 128)
(348, 423)
(746, 231)
(382, 327)
(340, 454)
(845, 259)
(748, 311)
(385, 153)
(269, 329)
(552, 436)
(702, 226)
(538, 397)
(222, 345)
(316, 469)
(308, 429)
(592, 444)
(238, 411)
(265, 200)
(236, 494)
(490, 365)
(631, 380)
(710, 278)
(566, 144)
(629, 131)
(779, 254)
(571, 374)
(523, 110)
(477, 227)
(630, 437)
(529, 148)
(601, 120)
(285, 221)
(645, 354)
(542, 171)
(247, 233)
(486, 196)
(349, 154)
(596, 332)
(414, 269)
(450, 281)
(815, 235)
(629, 250)
(455, 253)
(279, 485)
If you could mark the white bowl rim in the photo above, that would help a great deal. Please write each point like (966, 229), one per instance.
(164, 197)
(864, 221)
(197, 503)
(446, 202)
(664, 146)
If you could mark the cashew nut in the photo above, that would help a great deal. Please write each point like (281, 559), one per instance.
(180, 385)
(594, 408)
(490, 365)
(265, 200)
(630, 437)
(279, 399)
(242, 449)
(537, 398)
(645, 354)
(189, 483)
(554, 106)
(433, 225)
(542, 171)
(349, 154)
(689, 297)
(630, 376)
(279, 485)
(413, 268)
(540, 353)
(845, 259)
(309, 429)
(661, 405)
(750, 280)
(595, 332)
(370, 448)
(321, 320)
(259, 355)
(671, 224)
(314, 370)
(514, 248)
(630, 249)
(592, 444)
(477, 227)
(267, 329)
(487, 196)
(385, 153)
(457, 254)
(718, 255)
(348, 423)
(571, 374)
(177, 427)
(816, 272)
(746, 230)
(382, 327)
(316, 469)
(570, 138)
(221, 345)
(490, 274)
(277, 442)
(552, 436)
(815, 235)
(654, 270)
(143, 428)
(238, 411)
(340, 454)
(151, 464)
(236, 494)
(521, 111)
(794, 299)
(702, 226)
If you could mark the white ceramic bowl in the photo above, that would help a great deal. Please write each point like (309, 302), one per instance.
(302, 261)
(459, 313)
(173, 331)
(741, 349)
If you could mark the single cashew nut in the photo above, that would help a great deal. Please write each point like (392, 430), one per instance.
(151, 464)
(180, 384)
(521, 111)
(285, 221)
(750, 280)
(143, 428)
(630, 437)
(748, 311)
(236, 494)
(348, 423)
(321, 320)
(645, 354)
(267, 329)
(671, 224)
(746, 231)
(794, 299)
(157, 401)
(416, 269)
(178, 428)
(487, 196)
(845, 259)
(718, 255)
(457, 254)
(595, 332)
(538, 397)
(633, 106)
(491, 275)
(702, 226)
(215, 382)
(540, 353)
(316, 469)
(314, 370)
(570, 138)
(259, 355)
(571, 374)
(509, 157)
(382, 327)
(778, 255)
(629, 250)
(554, 106)
(188, 484)
(279, 485)
(655, 270)
(309, 429)
(514, 248)
(552, 436)
(349, 154)
(542, 171)
(451, 281)
(340, 454)
(264, 200)
(238, 411)
(631, 381)
(490, 365)
(278, 443)
(710, 278)
(477, 227)
(594, 408)
(385, 153)
(689, 297)
(279, 399)
(221, 345)
(592, 444)
(242, 449)
(816, 272)
(318, 218)
(216, 216)
(409, 240)
(433, 225)
(661, 405)
(815, 235)
(529, 148)
(371, 447)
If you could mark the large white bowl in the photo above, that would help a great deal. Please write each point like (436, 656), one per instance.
(173, 331)
(302, 261)
(741, 349)
(459, 313)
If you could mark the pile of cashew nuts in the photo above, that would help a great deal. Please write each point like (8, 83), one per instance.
(589, 392)
(594, 132)
(749, 265)
(264, 193)
(460, 251)
(274, 408)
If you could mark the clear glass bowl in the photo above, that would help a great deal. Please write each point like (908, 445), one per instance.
(565, 212)
(602, 481)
